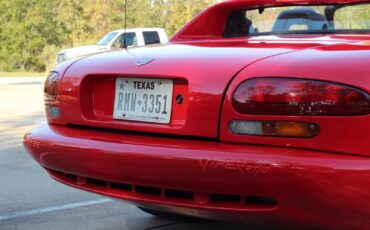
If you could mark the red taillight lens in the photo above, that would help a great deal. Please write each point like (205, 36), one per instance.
(289, 96)
(51, 87)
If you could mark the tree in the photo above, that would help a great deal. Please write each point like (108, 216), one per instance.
(32, 31)
(26, 28)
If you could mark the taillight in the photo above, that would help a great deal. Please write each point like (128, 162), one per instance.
(52, 108)
(51, 87)
(299, 97)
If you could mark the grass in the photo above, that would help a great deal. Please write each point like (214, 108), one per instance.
(21, 74)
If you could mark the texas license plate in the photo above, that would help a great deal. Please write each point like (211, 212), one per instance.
(143, 99)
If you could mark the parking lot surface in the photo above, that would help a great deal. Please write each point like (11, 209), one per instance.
(30, 199)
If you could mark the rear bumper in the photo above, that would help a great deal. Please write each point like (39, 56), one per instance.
(259, 185)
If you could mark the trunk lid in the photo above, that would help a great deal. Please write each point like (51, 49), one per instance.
(201, 72)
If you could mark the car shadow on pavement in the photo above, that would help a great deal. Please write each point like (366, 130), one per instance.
(201, 224)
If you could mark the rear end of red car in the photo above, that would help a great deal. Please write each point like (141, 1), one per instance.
(270, 132)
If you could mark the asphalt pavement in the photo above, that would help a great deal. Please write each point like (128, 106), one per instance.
(30, 199)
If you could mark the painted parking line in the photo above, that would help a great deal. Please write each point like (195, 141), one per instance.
(29, 111)
(11, 142)
(21, 80)
(40, 211)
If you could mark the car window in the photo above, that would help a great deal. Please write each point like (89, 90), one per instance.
(151, 37)
(299, 26)
(327, 18)
(106, 39)
(355, 17)
(131, 40)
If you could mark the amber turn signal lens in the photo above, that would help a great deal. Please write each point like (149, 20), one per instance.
(275, 129)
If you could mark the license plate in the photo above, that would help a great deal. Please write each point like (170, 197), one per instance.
(143, 99)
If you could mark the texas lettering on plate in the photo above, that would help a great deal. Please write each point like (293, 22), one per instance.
(143, 99)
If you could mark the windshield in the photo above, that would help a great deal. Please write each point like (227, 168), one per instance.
(338, 18)
(107, 39)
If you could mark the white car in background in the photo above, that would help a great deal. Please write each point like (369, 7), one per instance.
(115, 40)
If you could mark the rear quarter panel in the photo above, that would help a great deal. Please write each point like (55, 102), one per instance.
(342, 63)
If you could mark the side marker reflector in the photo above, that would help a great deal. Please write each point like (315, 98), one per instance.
(53, 112)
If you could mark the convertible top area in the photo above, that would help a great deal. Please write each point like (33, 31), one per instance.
(200, 27)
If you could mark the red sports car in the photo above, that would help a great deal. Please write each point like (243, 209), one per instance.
(256, 111)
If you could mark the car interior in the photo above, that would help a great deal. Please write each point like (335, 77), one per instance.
(298, 19)
(301, 19)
